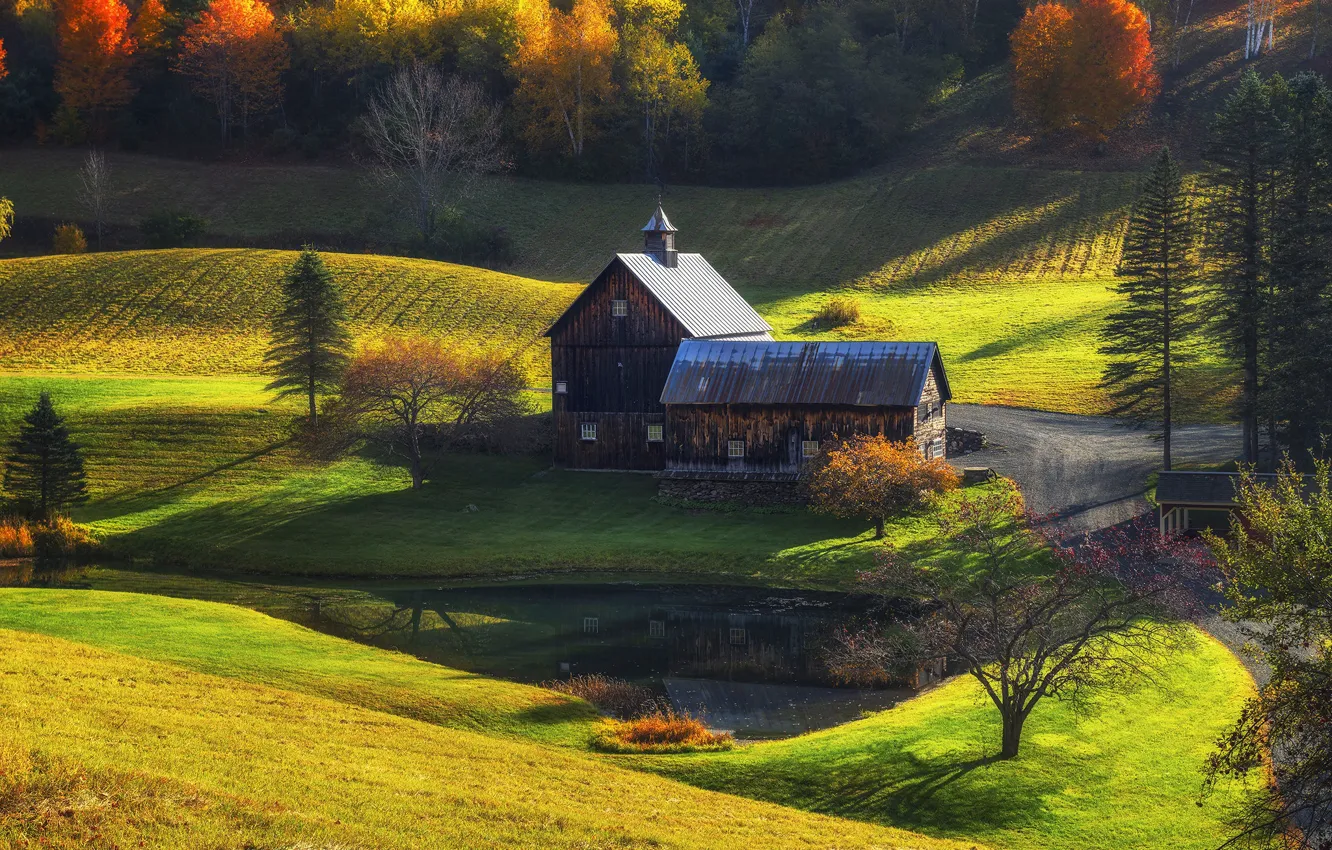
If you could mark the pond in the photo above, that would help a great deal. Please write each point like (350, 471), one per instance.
(746, 659)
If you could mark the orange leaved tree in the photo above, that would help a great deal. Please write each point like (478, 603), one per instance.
(875, 478)
(235, 55)
(3, 70)
(564, 73)
(1084, 68)
(95, 48)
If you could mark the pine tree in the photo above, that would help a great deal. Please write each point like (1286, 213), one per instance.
(1298, 388)
(1159, 285)
(44, 469)
(1243, 155)
(310, 346)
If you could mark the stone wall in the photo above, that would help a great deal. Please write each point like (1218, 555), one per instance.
(732, 491)
(964, 442)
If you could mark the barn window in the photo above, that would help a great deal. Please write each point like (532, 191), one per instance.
(657, 628)
(737, 637)
(591, 625)
(809, 448)
(589, 430)
(619, 308)
(561, 387)
(937, 447)
(654, 433)
(735, 448)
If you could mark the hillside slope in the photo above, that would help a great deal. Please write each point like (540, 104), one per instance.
(105, 750)
(208, 311)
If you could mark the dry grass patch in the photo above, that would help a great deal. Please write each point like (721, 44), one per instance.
(663, 731)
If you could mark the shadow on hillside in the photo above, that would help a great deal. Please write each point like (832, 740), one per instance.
(1032, 335)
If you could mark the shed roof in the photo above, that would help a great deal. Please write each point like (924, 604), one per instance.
(869, 374)
(1201, 488)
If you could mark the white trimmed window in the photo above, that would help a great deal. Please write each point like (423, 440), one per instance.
(737, 637)
(937, 448)
(561, 387)
(735, 448)
(657, 628)
(589, 431)
(591, 625)
(654, 433)
(619, 308)
(809, 448)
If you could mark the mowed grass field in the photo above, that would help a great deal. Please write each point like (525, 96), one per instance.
(194, 724)
(1009, 269)
(199, 471)
(104, 749)
(207, 312)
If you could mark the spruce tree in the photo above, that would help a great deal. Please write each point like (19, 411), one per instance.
(310, 345)
(44, 468)
(1298, 388)
(1159, 287)
(1243, 157)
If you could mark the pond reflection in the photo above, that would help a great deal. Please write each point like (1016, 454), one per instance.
(747, 659)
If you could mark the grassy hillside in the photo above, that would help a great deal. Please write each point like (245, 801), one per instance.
(208, 311)
(101, 749)
(199, 470)
(1126, 775)
(310, 737)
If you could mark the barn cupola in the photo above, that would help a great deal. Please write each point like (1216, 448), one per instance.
(659, 239)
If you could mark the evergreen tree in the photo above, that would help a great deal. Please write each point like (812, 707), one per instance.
(1243, 155)
(1159, 287)
(44, 469)
(1298, 389)
(310, 347)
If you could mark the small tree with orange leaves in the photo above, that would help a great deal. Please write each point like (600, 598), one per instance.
(1084, 68)
(235, 55)
(875, 478)
(95, 48)
(4, 72)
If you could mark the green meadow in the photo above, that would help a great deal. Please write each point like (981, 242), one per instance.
(204, 725)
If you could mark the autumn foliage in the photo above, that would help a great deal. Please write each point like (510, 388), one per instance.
(3, 71)
(665, 731)
(875, 478)
(95, 48)
(235, 55)
(1083, 68)
(564, 73)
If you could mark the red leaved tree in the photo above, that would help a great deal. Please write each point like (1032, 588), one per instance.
(235, 55)
(3, 71)
(95, 48)
(1084, 68)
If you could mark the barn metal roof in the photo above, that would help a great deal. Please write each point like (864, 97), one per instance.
(872, 374)
(1213, 489)
(693, 292)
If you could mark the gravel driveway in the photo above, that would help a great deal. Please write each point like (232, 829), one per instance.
(1088, 469)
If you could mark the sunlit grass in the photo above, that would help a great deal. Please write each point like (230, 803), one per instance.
(1126, 775)
(106, 749)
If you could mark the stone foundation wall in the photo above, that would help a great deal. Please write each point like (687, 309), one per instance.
(747, 493)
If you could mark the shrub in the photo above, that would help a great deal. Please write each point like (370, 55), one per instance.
(69, 239)
(663, 732)
(168, 229)
(59, 541)
(615, 697)
(875, 478)
(15, 538)
(838, 312)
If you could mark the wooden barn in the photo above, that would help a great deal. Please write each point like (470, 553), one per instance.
(660, 365)
(612, 349)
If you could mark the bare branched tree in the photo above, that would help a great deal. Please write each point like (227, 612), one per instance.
(95, 190)
(432, 136)
(1033, 619)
